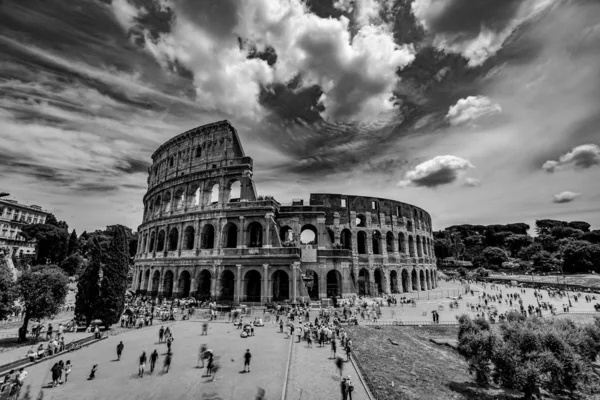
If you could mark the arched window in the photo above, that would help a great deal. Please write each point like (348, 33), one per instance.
(167, 202)
(207, 239)
(173, 239)
(214, 194)
(255, 233)
(346, 239)
(160, 245)
(152, 240)
(235, 191)
(230, 232)
(308, 234)
(198, 151)
(189, 236)
(376, 242)
(193, 196)
(286, 235)
(361, 239)
(157, 205)
(361, 221)
(401, 243)
(389, 242)
(179, 199)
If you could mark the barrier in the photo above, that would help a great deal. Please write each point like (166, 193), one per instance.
(409, 323)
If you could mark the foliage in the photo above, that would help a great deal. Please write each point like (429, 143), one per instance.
(592, 236)
(87, 300)
(527, 252)
(548, 242)
(533, 353)
(114, 277)
(544, 226)
(455, 244)
(8, 290)
(73, 244)
(495, 256)
(516, 242)
(581, 225)
(52, 242)
(72, 264)
(544, 261)
(581, 258)
(42, 292)
(560, 232)
(481, 272)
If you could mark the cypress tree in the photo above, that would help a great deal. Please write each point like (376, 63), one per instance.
(114, 278)
(73, 244)
(87, 301)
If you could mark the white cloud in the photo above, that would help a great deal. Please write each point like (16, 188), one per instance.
(356, 74)
(580, 157)
(470, 109)
(565, 197)
(440, 170)
(472, 182)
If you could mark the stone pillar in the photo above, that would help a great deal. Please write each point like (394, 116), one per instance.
(295, 268)
(241, 244)
(238, 283)
(418, 279)
(387, 284)
(197, 236)
(265, 289)
(369, 242)
(193, 285)
(161, 285)
(267, 238)
(345, 279)
(180, 240)
(149, 283)
(213, 281)
(321, 233)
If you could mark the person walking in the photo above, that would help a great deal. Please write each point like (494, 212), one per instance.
(339, 363)
(167, 363)
(247, 358)
(68, 368)
(333, 347)
(55, 374)
(161, 333)
(61, 370)
(201, 354)
(142, 365)
(93, 372)
(120, 347)
(210, 364)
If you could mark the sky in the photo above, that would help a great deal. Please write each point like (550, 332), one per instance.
(478, 111)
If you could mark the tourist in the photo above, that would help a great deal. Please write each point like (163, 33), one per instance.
(339, 363)
(93, 372)
(68, 368)
(20, 379)
(247, 358)
(97, 334)
(49, 332)
(142, 365)
(31, 353)
(161, 333)
(333, 347)
(120, 347)
(61, 368)
(153, 359)
(169, 342)
(167, 363)
(201, 354)
(205, 328)
(55, 374)
(210, 364)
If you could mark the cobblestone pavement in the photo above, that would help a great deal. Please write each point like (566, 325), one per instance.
(314, 376)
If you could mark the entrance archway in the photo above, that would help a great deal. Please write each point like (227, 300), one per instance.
(204, 284)
(253, 283)
(361, 242)
(313, 291)
(155, 284)
(185, 281)
(146, 281)
(255, 234)
(394, 281)
(334, 283)
(422, 278)
(227, 285)
(363, 282)
(405, 281)
(230, 233)
(378, 282)
(414, 280)
(168, 285)
(281, 286)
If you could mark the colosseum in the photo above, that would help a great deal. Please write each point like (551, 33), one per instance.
(207, 234)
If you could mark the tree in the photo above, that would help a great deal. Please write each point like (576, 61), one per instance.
(560, 232)
(548, 242)
(581, 225)
(73, 244)
(441, 248)
(544, 261)
(52, 242)
(114, 278)
(72, 264)
(87, 300)
(544, 226)
(592, 236)
(7, 290)
(574, 259)
(529, 251)
(42, 292)
(516, 242)
(51, 220)
(495, 256)
(456, 245)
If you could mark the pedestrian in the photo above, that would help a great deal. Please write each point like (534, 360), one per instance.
(167, 363)
(161, 333)
(49, 332)
(333, 346)
(120, 347)
(61, 369)
(210, 364)
(201, 353)
(153, 358)
(205, 328)
(344, 388)
(339, 363)
(142, 365)
(93, 372)
(247, 358)
(20, 379)
(169, 341)
(68, 368)
(55, 374)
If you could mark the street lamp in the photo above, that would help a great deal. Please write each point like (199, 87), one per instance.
(4, 194)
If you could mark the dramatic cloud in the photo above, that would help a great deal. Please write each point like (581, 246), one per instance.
(472, 182)
(440, 170)
(357, 75)
(471, 108)
(580, 157)
(565, 197)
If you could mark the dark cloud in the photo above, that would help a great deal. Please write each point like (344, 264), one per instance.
(95, 188)
(219, 18)
(133, 166)
(437, 178)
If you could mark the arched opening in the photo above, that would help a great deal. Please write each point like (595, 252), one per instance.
(146, 281)
(308, 234)
(281, 286)
(235, 191)
(168, 285)
(361, 221)
(389, 242)
(376, 241)
(152, 240)
(214, 194)
(230, 232)
(227, 286)
(144, 242)
(255, 234)
(394, 282)
(166, 206)
(411, 246)
(313, 286)
(361, 242)
(253, 283)
(334, 283)
(419, 247)
(160, 245)
(149, 210)
(346, 239)
(415, 286)
(173, 239)
(185, 281)
(428, 279)
(401, 243)
(204, 283)
(378, 275)
(198, 151)
(157, 205)
(207, 239)
(331, 236)
(139, 282)
(409, 226)
(193, 196)
(188, 238)
(155, 284)
(405, 281)
(364, 283)
(422, 279)
(286, 235)
(179, 199)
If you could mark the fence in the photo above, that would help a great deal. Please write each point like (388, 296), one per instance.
(407, 323)
(434, 294)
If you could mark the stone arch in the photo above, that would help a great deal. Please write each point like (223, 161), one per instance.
(149, 210)
(313, 291)
(155, 284)
(235, 191)
(331, 235)
(361, 221)
(194, 195)
(394, 281)
(376, 242)
(198, 152)
(411, 246)
(280, 285)
(422, 279)
(214, 194)
(139, 279)
(401, 243)
(414, 280)
(160, 242)
(409, 225)
(428, 279)
(389, 242)
(361, 242)
(309, 234)
(286, 234)
(146, 281)
(334, 283)
(405, 281)
(152, 242)
(204, 285)
(346, 239)
(185, 283)
(168, 284)
(379, 280)
(230, 234)
(157, 205)
(189, 236)
(227, 285)
(179, 199)
(144, 242)
(255, 234)
(419, 247)
(166, 202)
(364, 282)
(253, 285)
(207, 238)
(173, 239)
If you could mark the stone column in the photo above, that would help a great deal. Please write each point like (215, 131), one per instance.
(241, 243)
(321, 233)
(193, 285)
(265, 290)
(180, 240)
(149, 283)
(267, 239)
(295, 268)
(161, 285)
(387, 286)
(345, 279)
(238, 283)
(197, 236)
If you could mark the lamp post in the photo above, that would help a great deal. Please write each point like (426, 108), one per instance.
(4, 194)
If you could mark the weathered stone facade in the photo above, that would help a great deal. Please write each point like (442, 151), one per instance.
(198, 241)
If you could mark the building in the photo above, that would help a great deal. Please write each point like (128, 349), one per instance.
(13, 216)
(206, 233)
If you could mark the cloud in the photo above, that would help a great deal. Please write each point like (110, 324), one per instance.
(470, 109)
(565, 197)
(472, 182)
(440, 170)
(580, 157)
(357, 75)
